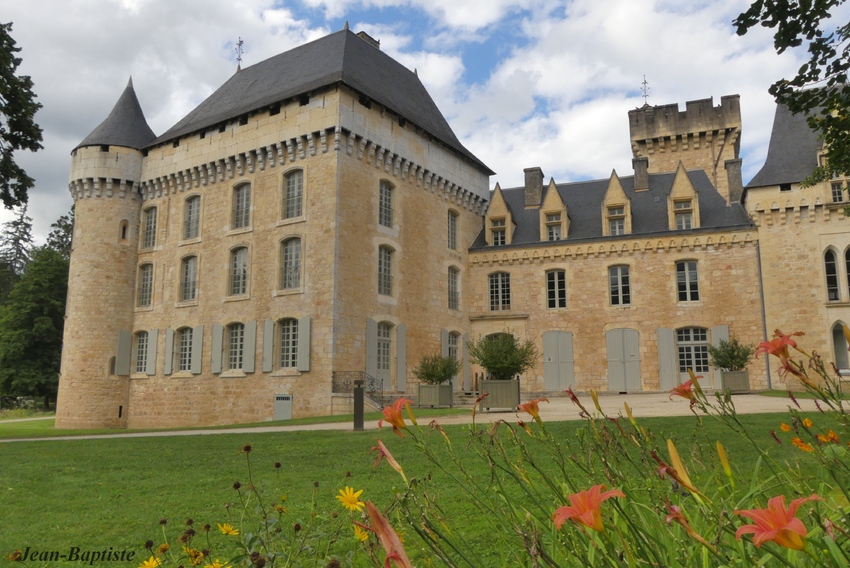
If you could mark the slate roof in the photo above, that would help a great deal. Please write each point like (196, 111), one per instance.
(649, 210)
(792, 153)
(338, 57)
(125, 126)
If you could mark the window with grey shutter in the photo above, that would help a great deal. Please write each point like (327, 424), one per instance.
(250, 355)
(217, 348)
(168, 360)
(152, 345)
(304, 344)
(198, 349)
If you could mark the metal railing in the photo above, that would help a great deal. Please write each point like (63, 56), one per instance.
(343, 382)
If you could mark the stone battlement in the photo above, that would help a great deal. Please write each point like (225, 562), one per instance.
(650, 122)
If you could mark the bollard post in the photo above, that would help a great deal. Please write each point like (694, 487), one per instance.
(358, 405)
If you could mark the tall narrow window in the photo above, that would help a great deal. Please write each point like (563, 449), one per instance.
(294, 195)
(288, 343)
(837, 192)
(454, 342)
(385, 205)
(556, 288)
(384, 345)
(242, 206)
(454, 296)
(184, 353)
(385, 271)
(684, 214)
(618, 282)
(616, 221)
(692, 344)
(452, 230)
(553, 226)
(290, 275)
(239, 271)
(145, 291)
(498, 231)
(235, 346)
(847, 266)
(831, 267)
(188, 278)
(687, 283)
(141, 352)
(192, 220)
(149, 235)
(500, 292)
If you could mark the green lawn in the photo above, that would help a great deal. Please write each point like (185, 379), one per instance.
(112, 492)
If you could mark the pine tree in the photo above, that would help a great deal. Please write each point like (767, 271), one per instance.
(62, 234)
(16, 242)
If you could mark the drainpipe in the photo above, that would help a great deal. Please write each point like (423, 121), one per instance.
(763, 314)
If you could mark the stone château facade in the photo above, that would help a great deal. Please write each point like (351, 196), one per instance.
(317, 216)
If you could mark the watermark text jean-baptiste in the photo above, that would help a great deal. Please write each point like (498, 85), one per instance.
(75, 554)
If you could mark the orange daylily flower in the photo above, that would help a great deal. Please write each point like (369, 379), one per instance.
(384, 453)
(533, 408)
(584, 413)
(777, 346)
(684, 390)
(392, 414)
(777, 523)
(586, 507)
(389, 538)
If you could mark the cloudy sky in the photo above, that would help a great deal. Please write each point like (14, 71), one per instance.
(522, 82)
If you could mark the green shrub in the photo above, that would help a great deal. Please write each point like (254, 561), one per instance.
(502, 355)
(436, 370)
(731, 355)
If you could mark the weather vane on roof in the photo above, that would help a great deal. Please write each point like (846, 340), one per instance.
(645, 88)
(239, 51)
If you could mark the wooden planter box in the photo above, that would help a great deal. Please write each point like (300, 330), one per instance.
(735, 381)
(503, 394)
(435, 396)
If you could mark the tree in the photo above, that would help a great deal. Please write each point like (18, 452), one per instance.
(502, 355)
(31, 327)
(16, 241)
(60, 237)
(820, 89)
(18, 130)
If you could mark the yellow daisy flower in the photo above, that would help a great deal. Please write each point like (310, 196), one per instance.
(350, 499)
(228, 529)
(152, 562)
(360, 534)
(218, 564)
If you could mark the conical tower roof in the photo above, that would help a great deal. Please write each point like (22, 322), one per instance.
(125, 126)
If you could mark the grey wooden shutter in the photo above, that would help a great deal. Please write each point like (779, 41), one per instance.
(150, 364)
(197, 349)
(371, 347)
(467, 371)
(566, 361)
(217, 345)
(631, 354)
(249, 354)
(303, 362)
(122, 352)
(444, 342)
(268, 345)
(401, 357)
(616, 367)
(718, 333)
(551, 362)
(168, 361)
(668, 368)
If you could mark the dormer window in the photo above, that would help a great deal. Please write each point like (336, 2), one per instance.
(616, 221)
(553, 226)
(684, 214)
(498, 231)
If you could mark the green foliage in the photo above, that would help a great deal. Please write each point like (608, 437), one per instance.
(502, 355)
(436, 370)
(820, 90)
(31, 326)
(62, 234)
(18, 130)
(731, 355)
(16, 241)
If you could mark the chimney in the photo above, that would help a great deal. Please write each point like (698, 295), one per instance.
(533, 187)
(369, 39)
(641, 167)
(734, 180)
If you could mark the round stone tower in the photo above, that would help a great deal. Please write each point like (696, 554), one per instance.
(106, 169)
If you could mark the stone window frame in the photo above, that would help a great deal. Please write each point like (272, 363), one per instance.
(556, 289)
(683, 214)
(620, 285)
(244, 290)
(291, 273)
(386, 269)
(687, 280)
(384, 347)
(183, 349)
(191, 219)
(498, 231)
(287, 338)
(234, 347)
(831, 276)
(499, 291)
(241, 217)
(293, 199)
(144, 285)
(386, 198)
(141, 350)
(451, 229)
(149, 223)
(616, 214)
(183, 297)
(553, 226)
(453, 287)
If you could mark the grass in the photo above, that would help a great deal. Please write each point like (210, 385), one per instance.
(14, 413)
(801, 395)
(45, 429)
(112, 492)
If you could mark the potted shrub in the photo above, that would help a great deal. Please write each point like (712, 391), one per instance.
(435, 373)
(732, 358)
(504, 358)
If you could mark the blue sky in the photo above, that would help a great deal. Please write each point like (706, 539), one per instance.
(523, 83)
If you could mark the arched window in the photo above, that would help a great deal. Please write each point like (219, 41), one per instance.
(122, 230)
(847, 267)
(454, 293)
(242, 206)
(831, 267)
(290, 266)
(839, 345)
(184, 349)
(500, 292)
(385, 205)
(239, 271)
(141, 352)
(619, 285)
(145, 288)
(556, 289)
(288, 343)
(188, 278)
(149, 228)
(385, 271)
(293, 194)
(192, 217)
(235, 346)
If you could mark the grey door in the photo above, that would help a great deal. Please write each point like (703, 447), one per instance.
(623, 360)
(558, 374)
